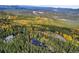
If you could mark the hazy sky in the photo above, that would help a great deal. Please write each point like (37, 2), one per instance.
(59, 3)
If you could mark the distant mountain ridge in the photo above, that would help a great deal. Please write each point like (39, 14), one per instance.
(37, 8)
(50, 12)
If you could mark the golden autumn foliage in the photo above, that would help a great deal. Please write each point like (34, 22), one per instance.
(12, 17)
(22, 22)
(5, 26)
(67, 37)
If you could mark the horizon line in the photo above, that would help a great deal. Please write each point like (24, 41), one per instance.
(53, 6)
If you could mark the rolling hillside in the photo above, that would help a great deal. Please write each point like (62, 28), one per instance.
(31, 29)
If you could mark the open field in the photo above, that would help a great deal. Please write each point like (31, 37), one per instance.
(36, 33)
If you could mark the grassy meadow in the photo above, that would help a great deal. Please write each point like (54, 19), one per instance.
(37, 34)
